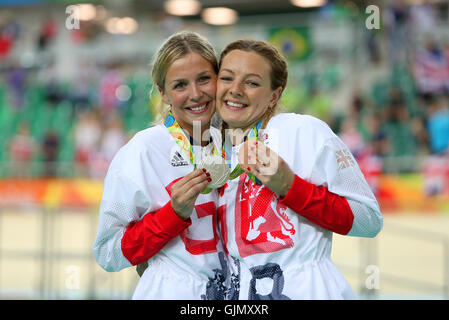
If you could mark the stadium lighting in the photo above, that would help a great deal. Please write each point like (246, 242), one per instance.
(111, 25)
(126, 25)
(182, 7)
(219, 16)
(308, 3)
(87, 11)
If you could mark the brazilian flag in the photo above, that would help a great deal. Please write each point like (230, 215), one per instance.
(294, 43)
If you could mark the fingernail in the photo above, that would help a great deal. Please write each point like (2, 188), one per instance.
(249, 169)
(208, 174)
(204, 170)
(209, 179)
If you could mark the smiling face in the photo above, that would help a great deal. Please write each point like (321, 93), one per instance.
(190, 87)
(244, 91)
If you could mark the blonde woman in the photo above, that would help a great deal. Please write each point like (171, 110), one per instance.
(154, 207)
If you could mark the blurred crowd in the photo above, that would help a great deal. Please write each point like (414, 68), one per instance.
(73, 128)
(396, 138)
(402, 123)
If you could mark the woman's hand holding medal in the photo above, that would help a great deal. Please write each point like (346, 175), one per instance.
(185, 191)
(267, 166)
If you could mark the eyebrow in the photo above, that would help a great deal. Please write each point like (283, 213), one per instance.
(205, 72)
(247, 75)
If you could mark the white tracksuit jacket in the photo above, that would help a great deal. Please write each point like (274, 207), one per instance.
(275, 253)
(188, 266)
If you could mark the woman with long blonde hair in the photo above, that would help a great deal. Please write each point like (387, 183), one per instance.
(156, 208)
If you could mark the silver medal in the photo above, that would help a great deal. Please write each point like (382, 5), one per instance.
(218, 169)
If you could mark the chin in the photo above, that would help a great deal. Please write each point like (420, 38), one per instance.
(204, 120)
(233, 123)
(235, 118)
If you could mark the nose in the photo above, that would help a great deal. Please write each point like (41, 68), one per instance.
(236, 89)
(196, 94)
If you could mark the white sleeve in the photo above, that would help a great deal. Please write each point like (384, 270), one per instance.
(336, 168)
(122, 203)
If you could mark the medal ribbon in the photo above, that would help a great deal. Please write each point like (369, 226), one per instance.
(183, 141)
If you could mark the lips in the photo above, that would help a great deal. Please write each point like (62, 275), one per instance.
(198, 108)
(234, 105)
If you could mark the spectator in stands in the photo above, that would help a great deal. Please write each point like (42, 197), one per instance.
(364, 151)
(48, 78)
(435, 173)
(396, 98)
(53, 92)
(430, 69)
(371, 160)
(81, 93)
(87, 135)
(436, 166)
(17, 81)
(22, 148)
(438, 125)
(396, 21)
(109, 83)
(352, 138)
(423, 18)
(403, 144)
(358, 111)
(50, 152)
(418, 125)
(9, 33)
(47, 33)
(113, 138)
(378, 139)
(446, 55)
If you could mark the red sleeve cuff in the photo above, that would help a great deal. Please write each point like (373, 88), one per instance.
(320, 206)
(170, 223)
(298, 192)
(144, 238)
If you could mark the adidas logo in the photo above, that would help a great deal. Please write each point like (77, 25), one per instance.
(177, 160)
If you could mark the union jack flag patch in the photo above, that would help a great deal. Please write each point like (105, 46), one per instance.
(344, 159)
